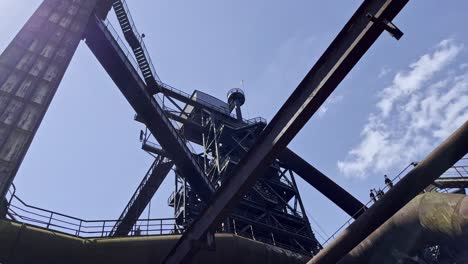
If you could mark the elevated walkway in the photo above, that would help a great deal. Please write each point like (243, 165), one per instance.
(452, 183)
(110, 51)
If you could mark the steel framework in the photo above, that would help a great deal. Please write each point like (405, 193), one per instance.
(243, 179)
(339, 58)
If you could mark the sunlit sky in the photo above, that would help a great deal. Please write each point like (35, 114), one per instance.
(401, 100)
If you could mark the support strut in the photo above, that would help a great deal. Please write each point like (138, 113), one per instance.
(344, 52)
(436, 163)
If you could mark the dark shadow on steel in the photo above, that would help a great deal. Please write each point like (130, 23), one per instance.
(343, 199)
(436, 163)
(344, 52)
(429, 219)
(142, 196)
(108, 49)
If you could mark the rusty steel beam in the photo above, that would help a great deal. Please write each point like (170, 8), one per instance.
(436, 163)
(447, 226)
(344, 52)
(109, 53)
(335, 193)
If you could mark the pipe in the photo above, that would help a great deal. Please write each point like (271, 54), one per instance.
(430, 218)
(436, 163)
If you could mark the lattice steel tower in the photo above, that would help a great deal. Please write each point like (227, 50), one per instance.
(272, 211)
(33, 65)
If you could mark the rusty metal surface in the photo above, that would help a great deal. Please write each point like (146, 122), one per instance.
(436, 163)
(430, 218)
(344, 52)
(31, 69)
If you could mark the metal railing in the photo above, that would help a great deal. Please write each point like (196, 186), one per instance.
(172, 125)
(157, 79)
(136, 194)
(251, 233)
(123, 46)
(19, 211)
(130, 56)
(395, 179)
(210, 105)
(460, 169)
(140, 40)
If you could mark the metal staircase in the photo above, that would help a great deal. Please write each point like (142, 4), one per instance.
(146, 67)
(135, 40)
(111, 52)
(142, 196)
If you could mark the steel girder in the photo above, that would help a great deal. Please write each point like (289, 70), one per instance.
(436, 163)
(344, 52)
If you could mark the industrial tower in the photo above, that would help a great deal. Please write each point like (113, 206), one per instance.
(32, 67)
(241, 180)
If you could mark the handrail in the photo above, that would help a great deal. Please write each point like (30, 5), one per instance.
(368, 204)
(397, 178)
(77, 227)
(130, 55)
(209, 105)
(140, 39)
(158, 160)
(43, 218)
(171, 124)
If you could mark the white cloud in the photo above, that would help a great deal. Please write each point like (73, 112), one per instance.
(384, 72)
(420, 72)
(421, 107)
(334, 99)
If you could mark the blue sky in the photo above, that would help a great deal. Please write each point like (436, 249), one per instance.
(402, 99)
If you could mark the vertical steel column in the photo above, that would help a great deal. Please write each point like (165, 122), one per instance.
(31, 69)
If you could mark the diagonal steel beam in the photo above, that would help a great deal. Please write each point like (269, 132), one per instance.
(344, 52)
(102, 42)
(335, 193)
(436, 163)
(289, 159)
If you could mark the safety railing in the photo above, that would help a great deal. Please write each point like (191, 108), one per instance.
(173, 126)
(461, 169)
(395, 179)
(130, 56)
(140, 39)
(20, 211)
(458, 170)
(136, 194)
(158, 80)
(210, 105)
(123, 46)
(250, 232)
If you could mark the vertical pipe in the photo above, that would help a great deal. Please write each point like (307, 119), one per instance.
(238, 111)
